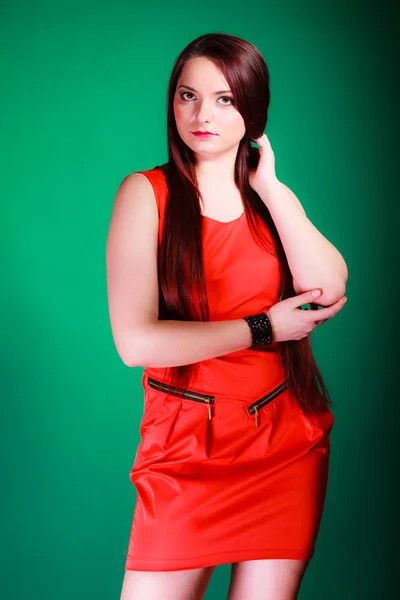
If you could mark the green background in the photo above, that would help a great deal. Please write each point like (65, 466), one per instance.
(83, 104)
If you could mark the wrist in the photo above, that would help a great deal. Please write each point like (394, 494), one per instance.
(261, 329)
(268, 188)
(272, 326)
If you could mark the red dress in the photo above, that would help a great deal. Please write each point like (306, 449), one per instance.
(234, 470)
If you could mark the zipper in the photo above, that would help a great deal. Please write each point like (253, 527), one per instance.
(188, 394)
(256, 406)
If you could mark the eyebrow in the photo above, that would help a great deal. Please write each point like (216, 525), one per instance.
(193, 90)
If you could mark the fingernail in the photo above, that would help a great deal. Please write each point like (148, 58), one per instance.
(344, 300)
(315, 293)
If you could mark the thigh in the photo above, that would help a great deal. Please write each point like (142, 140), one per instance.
(270, 579)
(187, 584)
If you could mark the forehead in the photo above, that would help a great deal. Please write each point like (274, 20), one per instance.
(202, 74)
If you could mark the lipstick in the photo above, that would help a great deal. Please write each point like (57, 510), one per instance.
(200, 134)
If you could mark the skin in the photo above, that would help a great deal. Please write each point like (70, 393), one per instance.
(271, 579)
(215, 157)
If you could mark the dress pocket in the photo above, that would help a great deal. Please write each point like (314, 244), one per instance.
(155, 407)
(261, 404)
(158, 423)
(180, 393)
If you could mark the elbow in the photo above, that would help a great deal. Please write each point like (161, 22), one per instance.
(136, 348)
(332, 293)
(126, 359)
(335, 290)
(129, 350)
(133, 357)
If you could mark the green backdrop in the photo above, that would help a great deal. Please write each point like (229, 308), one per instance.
(83, 104)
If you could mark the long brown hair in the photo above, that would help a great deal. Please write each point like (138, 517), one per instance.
(180, 255)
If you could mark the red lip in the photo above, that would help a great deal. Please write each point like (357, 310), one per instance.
(203, 133)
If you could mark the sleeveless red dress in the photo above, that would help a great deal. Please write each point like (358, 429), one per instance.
(234, 470)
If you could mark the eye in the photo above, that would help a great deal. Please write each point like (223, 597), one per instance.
(225, 97)
(229, 98)
(184, 94)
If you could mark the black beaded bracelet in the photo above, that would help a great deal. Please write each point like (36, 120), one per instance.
(261, 329)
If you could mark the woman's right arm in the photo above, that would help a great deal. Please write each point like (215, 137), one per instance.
(132, 288)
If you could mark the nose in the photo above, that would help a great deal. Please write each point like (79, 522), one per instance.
(205, 113)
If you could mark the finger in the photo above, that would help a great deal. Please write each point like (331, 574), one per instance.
(320, 322)
(261, 139)
(328, 311)
(306, 297)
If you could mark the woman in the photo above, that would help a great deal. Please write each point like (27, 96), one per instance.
(205, 256)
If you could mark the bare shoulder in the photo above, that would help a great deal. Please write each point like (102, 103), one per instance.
(135, 182)
(135, 194)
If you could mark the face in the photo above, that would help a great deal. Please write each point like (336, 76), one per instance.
(201, 108)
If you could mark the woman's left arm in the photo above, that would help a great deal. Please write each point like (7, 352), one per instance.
(314, 262)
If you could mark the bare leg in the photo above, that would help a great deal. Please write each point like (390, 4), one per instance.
(271, 579)
(187, 584)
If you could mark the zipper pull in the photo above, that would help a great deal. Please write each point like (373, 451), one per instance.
(256, 415)
(209, 408)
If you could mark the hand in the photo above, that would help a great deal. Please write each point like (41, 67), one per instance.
(264, 174)
(289, 323)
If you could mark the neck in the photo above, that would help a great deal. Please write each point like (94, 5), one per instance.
(216, 169)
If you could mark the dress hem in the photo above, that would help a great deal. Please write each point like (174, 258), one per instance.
(142, 563)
